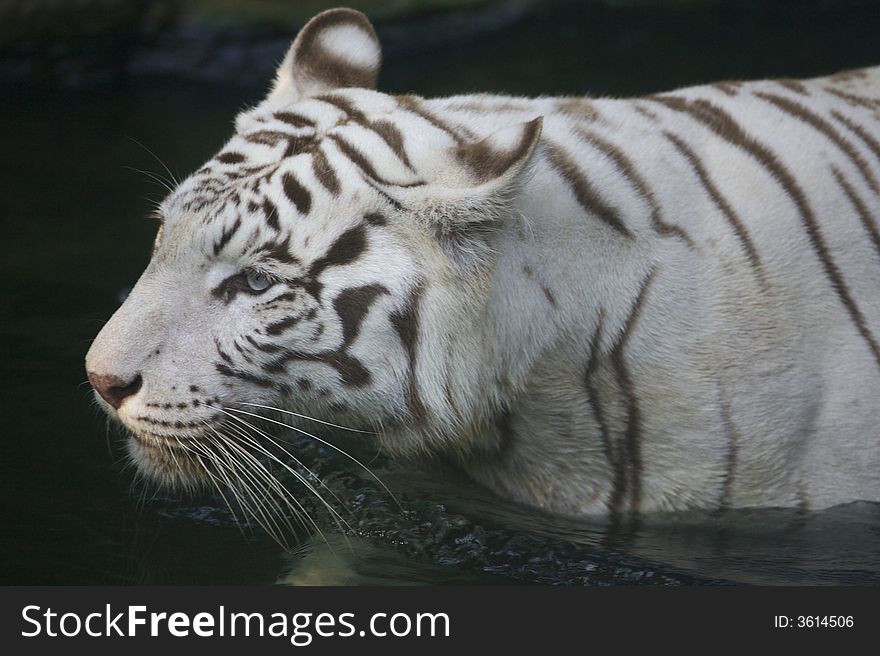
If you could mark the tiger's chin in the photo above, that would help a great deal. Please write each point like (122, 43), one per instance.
(177, 463)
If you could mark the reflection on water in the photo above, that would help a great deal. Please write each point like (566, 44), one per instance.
(454, 528)
(74, 237)
(828, 548)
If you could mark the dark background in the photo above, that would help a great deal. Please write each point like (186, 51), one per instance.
(87, 88)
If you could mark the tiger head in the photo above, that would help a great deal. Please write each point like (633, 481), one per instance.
(334, 260)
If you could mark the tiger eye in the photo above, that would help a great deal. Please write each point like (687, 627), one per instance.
(257, 281)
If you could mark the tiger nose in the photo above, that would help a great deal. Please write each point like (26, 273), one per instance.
(113, 389)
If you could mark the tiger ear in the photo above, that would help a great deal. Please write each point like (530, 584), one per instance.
(475, 180)
(499, 158)
(469, 190)
(337, 48)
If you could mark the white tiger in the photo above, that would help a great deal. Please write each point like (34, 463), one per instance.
(597, 307)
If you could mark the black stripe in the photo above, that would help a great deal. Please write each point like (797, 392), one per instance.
(286, 296)
(223, 354)
(406, 322)
(728, 88)
(324, 172)
(385, 130)
(794, 85)
(853, 99)
(504, 428)
(297, 145)
(860, 208)
(225, 236)
(298, 195)
(267, 137)
(583, 191)
(733, 441)
(276, 250)
(647, 113)
(625, 165)
(594, 400)
(413, 104)
(486, 162)
(244, 353)
(346, 106)
(230, 158)
(280, 326)
(720, 201)
(347, 248)
(633, 432)
(265, 347)
(231, 372)
(849, 75)
(295, 120)
(579, 109)
(352, 305)
(271, 214)
(363, 163)
(352, 373)
(869, 141)
(393, 202)
(376, 219)
(631, 449)
(393, 137)
(819, 124)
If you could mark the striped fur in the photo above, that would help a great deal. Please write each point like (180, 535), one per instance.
(601, 306)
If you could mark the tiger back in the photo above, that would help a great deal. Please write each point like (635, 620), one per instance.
(595, 306)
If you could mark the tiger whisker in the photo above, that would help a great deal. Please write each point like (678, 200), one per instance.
(319, 421)
(217, 487)
(258, 474)
(288, 454)
(257, 469)
(152, 176)
(170, 451)
(284, 493)
(172, 178)
(151, 201)
(337, 518)
(224, 470)
(107, 437)
(326, 443)
(267, 515)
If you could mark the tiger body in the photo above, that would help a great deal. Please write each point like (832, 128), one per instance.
(597, 307)
(752, 277)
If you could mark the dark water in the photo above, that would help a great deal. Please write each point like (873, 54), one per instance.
(74, 237)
